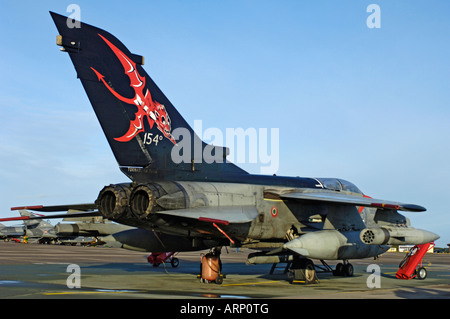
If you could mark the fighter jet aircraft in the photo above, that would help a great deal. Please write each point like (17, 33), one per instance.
(83, 230)
(38, 230)
(186, 190)
(87, 226)
(7, 232)
(35, 230)
(89, 230)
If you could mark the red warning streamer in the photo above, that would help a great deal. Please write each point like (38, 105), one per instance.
(231, 240)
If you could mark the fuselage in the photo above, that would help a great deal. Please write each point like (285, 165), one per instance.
(263, 221)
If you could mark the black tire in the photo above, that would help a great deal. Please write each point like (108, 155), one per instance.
(310, 272)
(348, 270)
(175, 262)
(339, 270)
(304, 271)
(421, 273)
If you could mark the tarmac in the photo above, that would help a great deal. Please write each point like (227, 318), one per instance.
(32, 271)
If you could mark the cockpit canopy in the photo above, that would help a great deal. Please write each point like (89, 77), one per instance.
(338, 185)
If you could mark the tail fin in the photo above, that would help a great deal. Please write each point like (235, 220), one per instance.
(34, 223)
(138, 120)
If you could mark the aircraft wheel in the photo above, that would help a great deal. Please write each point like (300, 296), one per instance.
(310, 271)
(175, 262)
(339, 270)
(348, 270)
(304, 271)
(421, 273)
(219, 280)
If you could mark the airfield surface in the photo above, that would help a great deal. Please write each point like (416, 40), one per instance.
(41, 271)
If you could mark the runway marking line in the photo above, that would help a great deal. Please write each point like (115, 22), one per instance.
(251, 283)
(84, 292)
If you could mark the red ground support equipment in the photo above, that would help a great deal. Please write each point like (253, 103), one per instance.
(210, 269)
(157, 259)
(408, 265)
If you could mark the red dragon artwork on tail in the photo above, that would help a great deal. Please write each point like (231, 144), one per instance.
(154, 112)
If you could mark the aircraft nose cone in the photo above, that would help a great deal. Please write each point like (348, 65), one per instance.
(431, 236)
(427, 237)
(297, 246)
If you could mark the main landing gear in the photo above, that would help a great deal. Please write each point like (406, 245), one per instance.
(344, 269)
(304, 270)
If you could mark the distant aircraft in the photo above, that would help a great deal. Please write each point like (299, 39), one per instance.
(8, 232)
(89, 230)
(87, 226)
(204, 201)
(85, 231)
(38, 230)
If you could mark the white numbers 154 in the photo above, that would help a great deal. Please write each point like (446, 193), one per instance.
(149, 138)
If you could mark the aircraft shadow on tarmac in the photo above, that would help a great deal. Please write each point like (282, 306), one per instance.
(422, 293)
(192, 268)
(185, 267)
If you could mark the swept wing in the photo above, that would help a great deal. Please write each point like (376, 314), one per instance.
(345, 199)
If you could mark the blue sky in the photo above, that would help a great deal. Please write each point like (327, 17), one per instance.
(366, 105)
